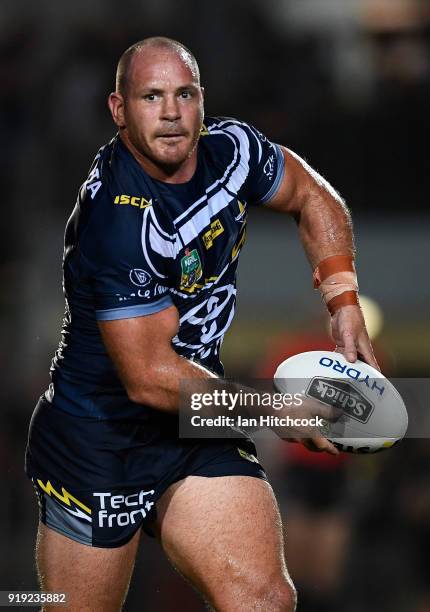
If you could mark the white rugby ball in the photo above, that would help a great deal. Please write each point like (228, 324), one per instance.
(374, 415)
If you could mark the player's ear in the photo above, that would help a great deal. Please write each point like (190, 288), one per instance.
(116, 107)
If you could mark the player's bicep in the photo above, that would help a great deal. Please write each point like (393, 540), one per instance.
(299, 183)
(138, 345)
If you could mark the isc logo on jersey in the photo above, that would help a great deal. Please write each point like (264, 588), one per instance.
(137, 201)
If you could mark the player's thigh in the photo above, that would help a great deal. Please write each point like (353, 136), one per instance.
(225, 535)
(94, 579)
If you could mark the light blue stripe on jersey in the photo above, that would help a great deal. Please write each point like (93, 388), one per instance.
(130, 312)
(279, 175)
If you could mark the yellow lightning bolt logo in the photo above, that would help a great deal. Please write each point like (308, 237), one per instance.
(64, 496)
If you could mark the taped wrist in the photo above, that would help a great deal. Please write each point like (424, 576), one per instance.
(336, 279)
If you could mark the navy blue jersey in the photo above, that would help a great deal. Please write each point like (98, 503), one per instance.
(135, 245)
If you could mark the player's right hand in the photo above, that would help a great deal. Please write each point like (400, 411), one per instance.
(310, 435)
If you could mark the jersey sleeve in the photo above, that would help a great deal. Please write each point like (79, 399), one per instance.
(266, 167)
(126, 283)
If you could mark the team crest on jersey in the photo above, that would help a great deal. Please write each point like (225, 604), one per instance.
(191, 268)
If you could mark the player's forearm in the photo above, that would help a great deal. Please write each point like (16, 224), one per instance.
(152, 373)
(323, 219)
(324, 222)
(325, 230)
(164, 382)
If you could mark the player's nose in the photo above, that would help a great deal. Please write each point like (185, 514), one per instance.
(171, 109)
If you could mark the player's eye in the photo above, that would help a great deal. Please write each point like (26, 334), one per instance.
(150, 97)
(186, 94)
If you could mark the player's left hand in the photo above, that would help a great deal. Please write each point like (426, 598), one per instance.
(349, 331)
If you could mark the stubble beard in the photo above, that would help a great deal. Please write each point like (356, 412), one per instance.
(171, 165)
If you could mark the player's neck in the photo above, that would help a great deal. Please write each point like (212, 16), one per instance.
(167, 174)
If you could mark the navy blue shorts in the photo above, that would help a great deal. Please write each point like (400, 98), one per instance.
(98, 481)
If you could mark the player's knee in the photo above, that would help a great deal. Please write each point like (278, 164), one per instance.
(279, 596)
(274, 595)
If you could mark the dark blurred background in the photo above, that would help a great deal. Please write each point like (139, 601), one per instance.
(346, 84)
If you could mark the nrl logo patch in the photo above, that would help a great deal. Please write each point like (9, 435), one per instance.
(341, 395)
(191, 268)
